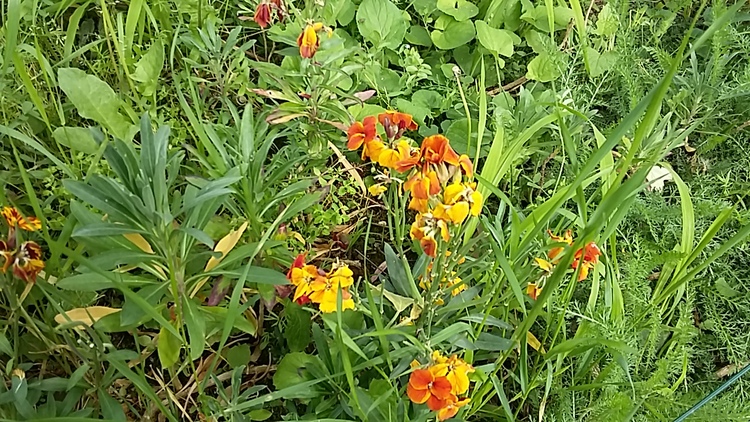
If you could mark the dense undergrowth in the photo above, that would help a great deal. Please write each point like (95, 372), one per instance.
(373, 210)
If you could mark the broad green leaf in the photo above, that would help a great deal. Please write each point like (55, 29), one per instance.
(418, 35)
(498, 41)
(110, 407)
(292, 370)
(95, 100)
(454, 35)
(298, 326)
(238, 355)
(91, 282)
(600, 63)
(381, 23)
(461, 10)
(545, 67)
(607, 22)
(168, 346)
(149, 68)
(76, 138)
(259, 414)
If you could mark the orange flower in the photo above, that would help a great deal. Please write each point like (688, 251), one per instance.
(566, 238)
(395, 123)
(589, 256)
(533, 290)
(422, 185)
(26, 261)
(466, 167)
(14, 219)
(361, 132)
(436, 149)
(263, 15)
(451, 407)
(424, 387)
(308, 40)
(455, 369)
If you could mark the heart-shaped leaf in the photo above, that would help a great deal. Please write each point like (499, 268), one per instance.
(455, 35)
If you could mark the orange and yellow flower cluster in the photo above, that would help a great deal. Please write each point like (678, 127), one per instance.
(24, 258)
(440, 384)
(587, 257)
(438, 179)
(315, 285)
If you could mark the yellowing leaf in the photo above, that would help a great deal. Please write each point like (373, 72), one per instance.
(535, 344)
(87, 316)
(225, 245)
(348, 167)
(139, 241)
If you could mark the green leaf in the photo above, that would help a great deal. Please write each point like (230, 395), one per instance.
(196, 328)
(545, 67)
(600, 63)
(298, 326)
(461, 10)
(168, 347)
(148, 69)
(454, 35)
(292, 370)
(498, 41)
(381, 23)
(92, 282)
(238, 355)
(418, 35)
(111, 408)
(76, 138)
(77, 376)
(396, 271)
(259, 414)
(493, 343)
(607, 22)
(95, 100)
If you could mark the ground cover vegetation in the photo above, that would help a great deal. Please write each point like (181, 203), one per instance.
(373, 210)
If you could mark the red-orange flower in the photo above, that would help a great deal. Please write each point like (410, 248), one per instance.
(361, 132)
(396, 123)
(263, 14)
(299, 262)
(280, 9)
(26, 261)
(588, 256)
(451, 407)
(423, 387)
(436, 149)
(14, 219)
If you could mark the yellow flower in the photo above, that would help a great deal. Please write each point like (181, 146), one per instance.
(304, 278)
(459, 200)
(377, 189)
(460, 286)
(567, 238)
(455, 370)
(544, 264)
(325, 290)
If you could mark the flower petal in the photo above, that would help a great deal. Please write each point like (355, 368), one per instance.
(417, 396)
(421, 379)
